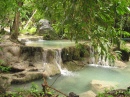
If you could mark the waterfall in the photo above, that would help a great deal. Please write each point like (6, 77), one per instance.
(97, 60)
(44, 57)
(103, 62)
(58, 60)
(92, 55)
(44, 54)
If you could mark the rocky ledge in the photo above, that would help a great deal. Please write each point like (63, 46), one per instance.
(31, 63)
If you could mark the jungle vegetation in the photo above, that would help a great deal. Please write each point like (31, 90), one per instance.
(98, 21)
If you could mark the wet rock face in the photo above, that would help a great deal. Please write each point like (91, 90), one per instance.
(19, 58)
(73, 53)
(69, 54)
(50, 56)
(124, 55)
(4, 84)
(26, 77)
(32, 54)
(27, 61)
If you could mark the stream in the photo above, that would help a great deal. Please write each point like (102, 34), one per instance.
(78, 81)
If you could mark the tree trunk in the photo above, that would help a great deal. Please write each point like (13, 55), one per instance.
(15, 26)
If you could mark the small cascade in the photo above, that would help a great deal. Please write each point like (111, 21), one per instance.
(44, 60)
(44, 57)
(96, 60)
(102, 61)
(92, 55)
(58, 59)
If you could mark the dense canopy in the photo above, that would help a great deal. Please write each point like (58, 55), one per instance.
(99, 21)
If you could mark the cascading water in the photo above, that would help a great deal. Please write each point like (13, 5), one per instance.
(44, 54)
(92, 55)
(58, 60)
(98, 60)
(44, 57)
(81, 83)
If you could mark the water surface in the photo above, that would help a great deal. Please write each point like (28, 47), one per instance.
(79, 81)
(51, 44)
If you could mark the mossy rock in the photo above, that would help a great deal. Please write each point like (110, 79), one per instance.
(73, 53)
(74, 65)
(124, 55)
(84, 51)
(50, 37)
(65, 55)
(70, 53)
(44, 28)
(26, 77)
(4, 84)
(50, 55)
(31, 53)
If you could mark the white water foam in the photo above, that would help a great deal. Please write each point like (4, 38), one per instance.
(63, 71)
(41, 40)
(100, 61)
(104, 66)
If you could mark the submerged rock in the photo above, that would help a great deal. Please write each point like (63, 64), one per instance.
(72, 94)
(101, 86)
(88, 94)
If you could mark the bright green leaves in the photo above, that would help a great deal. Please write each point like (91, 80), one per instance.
(2, 5)
(4, 69)
(98, 21)
(121, 8)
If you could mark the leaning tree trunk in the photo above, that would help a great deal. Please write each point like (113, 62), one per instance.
(15, 26)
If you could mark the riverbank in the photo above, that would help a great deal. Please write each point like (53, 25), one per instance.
(31, 63)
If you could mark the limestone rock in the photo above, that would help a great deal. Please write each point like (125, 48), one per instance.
(26, 77)
(4, 83)
(101, 86)
(45, 29)
(120, 64)
(88, 94)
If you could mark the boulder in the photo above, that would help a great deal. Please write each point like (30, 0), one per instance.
(101, 86)
(72, 94)
(45, 29)
(88, 94)
(75, 53)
